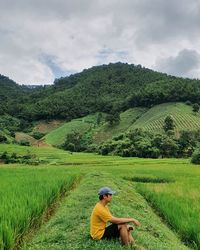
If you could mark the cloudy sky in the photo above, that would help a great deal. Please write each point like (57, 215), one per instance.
(41, 40)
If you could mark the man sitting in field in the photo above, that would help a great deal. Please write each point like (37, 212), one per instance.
(101, 215)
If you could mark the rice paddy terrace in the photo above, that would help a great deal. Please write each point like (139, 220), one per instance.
(148, 119)
(182, 114)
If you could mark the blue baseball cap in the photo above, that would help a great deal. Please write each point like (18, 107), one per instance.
(105, 190)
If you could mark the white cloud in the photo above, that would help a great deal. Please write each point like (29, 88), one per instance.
(186, 63)
(78, 34)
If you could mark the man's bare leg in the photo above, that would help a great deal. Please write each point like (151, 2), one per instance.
(130, 238)
(130, 229)
(124, 234)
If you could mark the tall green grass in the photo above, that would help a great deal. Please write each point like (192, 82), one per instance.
(25, 193)
(179, 205)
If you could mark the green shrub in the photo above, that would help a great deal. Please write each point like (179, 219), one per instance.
(3, 138)
(188, 103)
(108, 147)
(76, 142)
(70, 146)
(28, 158)
(24, 143)
(196, 156)
(118, 137)
(92, 148)
(4, 155)
(125, 152)
(38, 135)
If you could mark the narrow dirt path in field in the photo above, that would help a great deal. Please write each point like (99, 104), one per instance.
(69, 227)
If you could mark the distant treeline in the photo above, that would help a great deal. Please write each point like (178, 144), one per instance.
(107, 88)
(139, 143)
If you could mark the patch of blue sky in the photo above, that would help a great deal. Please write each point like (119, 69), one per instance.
(107, 55)
(57, 71)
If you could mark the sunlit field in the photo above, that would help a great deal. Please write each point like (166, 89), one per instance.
(169, 186)
(179, 204)
(25, 193)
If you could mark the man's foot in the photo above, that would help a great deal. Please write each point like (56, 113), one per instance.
(135, 246)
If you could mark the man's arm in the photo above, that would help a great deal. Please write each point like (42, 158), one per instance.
(116, 220)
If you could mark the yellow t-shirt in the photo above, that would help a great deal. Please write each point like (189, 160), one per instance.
(100, 215)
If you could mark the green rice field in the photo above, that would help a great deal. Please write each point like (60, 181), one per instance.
(25, 194)
(163, 194)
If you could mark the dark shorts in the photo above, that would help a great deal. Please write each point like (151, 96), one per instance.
(111, 232)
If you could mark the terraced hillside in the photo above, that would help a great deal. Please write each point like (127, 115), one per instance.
(184, 117)
(127, 119)
(88, 124)
(148, 119)
(85, 124)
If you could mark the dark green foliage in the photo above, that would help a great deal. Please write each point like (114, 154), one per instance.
(195, 107)
(3, 138)
(168, 123)
(38, 135)
(187, 142)
(99, 118)
(4, 155)
(25, 126)
(24, 143)
(9, 123)
(143, 179)
(76, 142)
(196, 157)
(136, 143)
(168, 147)
(28, 158)
(118, 137)
(107, 88)
(139, 143)
(107, 147)
(188, 103)
(92, 148)
(113, 118)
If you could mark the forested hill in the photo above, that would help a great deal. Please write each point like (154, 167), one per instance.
(107, 88)
(8, 90)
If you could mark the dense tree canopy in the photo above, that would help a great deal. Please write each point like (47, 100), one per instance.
(108, 88)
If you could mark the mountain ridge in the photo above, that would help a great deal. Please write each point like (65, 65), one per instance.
(107, 88)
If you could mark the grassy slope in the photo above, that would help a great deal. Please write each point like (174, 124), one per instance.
(151, 120)
(57, 136)
(127, 118)
(20, 136)
(182, 114)
(88, 124)
(47, 127)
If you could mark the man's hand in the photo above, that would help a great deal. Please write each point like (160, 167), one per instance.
(116, 220)
(136, 222)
